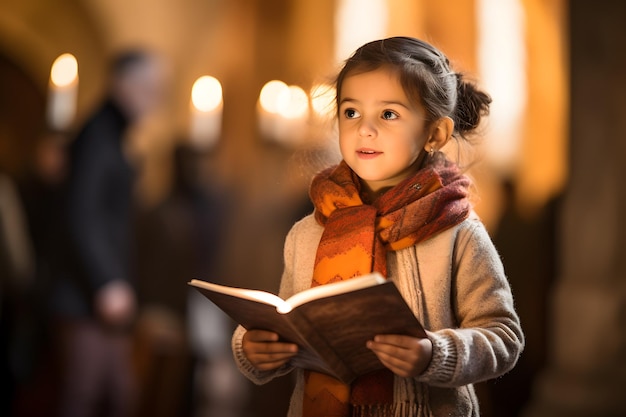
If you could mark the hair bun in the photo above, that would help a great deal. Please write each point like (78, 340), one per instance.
(471, 105)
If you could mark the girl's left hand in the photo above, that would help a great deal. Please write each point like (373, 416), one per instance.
(405, 356)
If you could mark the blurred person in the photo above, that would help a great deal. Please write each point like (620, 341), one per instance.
(40, 191)
(93, 298)
(16, 276)
(527, 241)
(179, 239)
(16, 253)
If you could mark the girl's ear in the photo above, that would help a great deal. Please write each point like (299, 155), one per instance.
(440, 134)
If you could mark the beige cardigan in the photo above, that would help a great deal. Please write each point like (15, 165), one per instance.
(455, 284)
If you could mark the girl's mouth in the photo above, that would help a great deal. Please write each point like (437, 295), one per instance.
(365, 153)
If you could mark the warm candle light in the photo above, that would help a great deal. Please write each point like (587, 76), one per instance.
(502, 64)
(283, 111)
(206, 93)
(207, 105)
(64, 70)
(270, 95)
(293, 103)
(63, 92)
(350, 30)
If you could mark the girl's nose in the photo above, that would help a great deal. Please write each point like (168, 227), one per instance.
(367, 128)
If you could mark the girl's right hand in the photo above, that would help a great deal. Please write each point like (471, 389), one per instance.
(265, 352)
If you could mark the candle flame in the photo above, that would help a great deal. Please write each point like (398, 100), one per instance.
(206, 93)
(270, 95)
(293, 102)
(64, 70)
(288, 101)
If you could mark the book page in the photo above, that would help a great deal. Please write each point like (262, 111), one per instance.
(329, 290)
(253, 295)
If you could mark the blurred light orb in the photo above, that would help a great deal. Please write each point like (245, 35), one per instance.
(64, 70)
(293, 102)
(206, 93)
(270, 95)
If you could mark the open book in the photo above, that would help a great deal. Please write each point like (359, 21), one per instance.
(330, 323)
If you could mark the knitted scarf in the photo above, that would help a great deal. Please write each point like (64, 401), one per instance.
(355, 242)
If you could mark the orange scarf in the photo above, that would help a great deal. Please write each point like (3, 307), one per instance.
(355, 242)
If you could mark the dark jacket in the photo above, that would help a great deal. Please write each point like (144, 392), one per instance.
(98, 207)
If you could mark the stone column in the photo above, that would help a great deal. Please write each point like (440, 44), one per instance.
(586, 370)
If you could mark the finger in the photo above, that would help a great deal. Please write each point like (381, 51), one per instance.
(259, 353)
(405, 347)
(389, 349)
(271, 347)
(269, 361)
(409, 359)
(268, 366)
(399, 368)
(261, 336)
(392, 356)
(396, 340)
(273, 357)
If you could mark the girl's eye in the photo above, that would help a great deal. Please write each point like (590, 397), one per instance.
(351, 113)
(389, 115)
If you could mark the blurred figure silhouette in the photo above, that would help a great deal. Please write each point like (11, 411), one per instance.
(527, 243)
(185, 360)
(16, 276)
(32, 360)
(16, 257)
(94, 299)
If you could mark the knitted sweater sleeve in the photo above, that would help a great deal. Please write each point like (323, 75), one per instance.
(487, 338)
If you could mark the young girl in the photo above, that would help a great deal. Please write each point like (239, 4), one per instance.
(396, 205)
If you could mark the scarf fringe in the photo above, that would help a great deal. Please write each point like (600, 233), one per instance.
(404, 409)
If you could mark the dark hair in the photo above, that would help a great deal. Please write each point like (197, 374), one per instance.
(425, 75)
(126, 60)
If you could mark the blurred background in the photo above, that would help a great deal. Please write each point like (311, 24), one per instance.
(222, 166)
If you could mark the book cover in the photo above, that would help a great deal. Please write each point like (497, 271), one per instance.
(331, 323)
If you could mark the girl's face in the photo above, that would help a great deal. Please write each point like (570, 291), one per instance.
(381, 132)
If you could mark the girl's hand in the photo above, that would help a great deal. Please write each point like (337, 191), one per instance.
(405, 356)
(265, 352)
